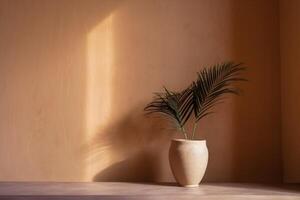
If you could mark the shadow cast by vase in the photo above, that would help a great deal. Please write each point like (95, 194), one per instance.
(132, 169)
(133, 145)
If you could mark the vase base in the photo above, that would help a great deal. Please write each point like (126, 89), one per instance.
(191, 186)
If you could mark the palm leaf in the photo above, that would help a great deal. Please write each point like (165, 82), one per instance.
(169, 104)
(211, 85)
(200, 97)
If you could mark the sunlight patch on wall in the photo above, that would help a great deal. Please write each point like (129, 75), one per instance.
(99, 87)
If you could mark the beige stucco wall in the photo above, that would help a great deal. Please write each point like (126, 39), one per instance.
(290, 73)
(75, 76)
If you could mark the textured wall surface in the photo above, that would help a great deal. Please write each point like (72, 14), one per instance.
(75, 76)
(290, 73)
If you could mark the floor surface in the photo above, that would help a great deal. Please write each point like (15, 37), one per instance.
(128, 191)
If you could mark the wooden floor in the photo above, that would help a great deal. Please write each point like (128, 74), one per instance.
(127, 191)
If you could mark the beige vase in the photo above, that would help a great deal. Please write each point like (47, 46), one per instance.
(188, 160)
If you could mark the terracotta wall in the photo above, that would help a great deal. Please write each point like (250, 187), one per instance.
(75, 76)
(290, 72)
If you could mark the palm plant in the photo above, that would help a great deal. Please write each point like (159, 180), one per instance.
(199, 98)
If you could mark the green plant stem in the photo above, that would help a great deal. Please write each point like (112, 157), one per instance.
(194, 129)
(184, 133)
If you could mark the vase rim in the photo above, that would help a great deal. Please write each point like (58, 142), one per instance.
(188, 140)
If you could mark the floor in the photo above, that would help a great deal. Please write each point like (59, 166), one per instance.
(128, 191)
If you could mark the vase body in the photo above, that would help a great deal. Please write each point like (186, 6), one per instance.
(188, 161)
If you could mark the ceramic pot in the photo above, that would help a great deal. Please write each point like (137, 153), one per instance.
(188, 160)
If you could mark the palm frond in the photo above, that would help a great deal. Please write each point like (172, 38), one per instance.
(200, 97)
(212, 84)
(169, 104)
